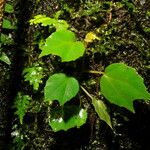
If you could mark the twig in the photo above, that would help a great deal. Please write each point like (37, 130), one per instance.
(86, 92)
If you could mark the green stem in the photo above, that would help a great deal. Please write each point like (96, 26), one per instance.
(95, 72)
(86, 92)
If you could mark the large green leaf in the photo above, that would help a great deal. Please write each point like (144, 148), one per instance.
(63, 43)
(101, 110)
(60, 87)
(121, 85)
(68, 117)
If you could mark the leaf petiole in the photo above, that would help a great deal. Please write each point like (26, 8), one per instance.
(86, 92)
(95, 72)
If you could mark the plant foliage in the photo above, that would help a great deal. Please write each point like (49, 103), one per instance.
(60, 87)
(21, 104)
(121, 85)
(4, 58)
(7, 24)
(63, 43)
(101, 110)
(34, 76)
(68, 117)
(6, 39)
(9, 8)
(47, 21)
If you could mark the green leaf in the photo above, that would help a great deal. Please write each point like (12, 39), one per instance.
(4, 58)
(60, 25)
(7, 24)
(121, 85)
(21, 104)
(66, 118)
(9, 8)
(101, 110)
(147, 29)
(34, 75)
(6, 39)
(47, 21)
(41, 19)
(60, 87)
(63, 43)
(129, 5)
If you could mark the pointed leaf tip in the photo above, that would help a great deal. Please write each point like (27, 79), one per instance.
(101, 110)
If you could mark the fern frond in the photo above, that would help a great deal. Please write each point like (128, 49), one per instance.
(21, 104)
(34, 76)
(47, 21)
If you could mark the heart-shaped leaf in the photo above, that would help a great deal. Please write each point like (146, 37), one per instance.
(101, 110)
(60, 87)
(121, 85)
(63, 43)
(66, 118)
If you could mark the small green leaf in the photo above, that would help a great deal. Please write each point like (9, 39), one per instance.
(121, 85)
(9, 8)
(60, 87)
(6, 39)
(63, 43)
(7, 24)
(66, 118)
(147, 29)
(101, 110)
(4, 58)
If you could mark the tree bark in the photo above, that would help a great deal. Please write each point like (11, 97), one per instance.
(2, 4)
